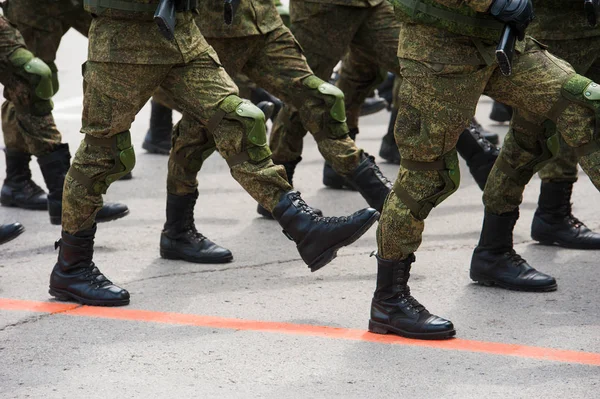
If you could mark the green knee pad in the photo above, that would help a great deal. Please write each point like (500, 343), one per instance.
(255, 148)
(334, 98)
(449, 171)
(550, 147)
(583, 91)
(39, 76)
(124, 161)
(54, 69)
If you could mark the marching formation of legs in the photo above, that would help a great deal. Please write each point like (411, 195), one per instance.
(228, 71)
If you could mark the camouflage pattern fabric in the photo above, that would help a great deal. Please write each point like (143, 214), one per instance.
(120, 78)
(560, 20)
(444, 75)
(42, 23)
(25, 131)
(253, 17)
(327, 32)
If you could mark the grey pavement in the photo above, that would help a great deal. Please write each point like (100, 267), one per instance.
(61, 356)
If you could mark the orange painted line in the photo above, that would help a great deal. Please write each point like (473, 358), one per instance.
(456, 344)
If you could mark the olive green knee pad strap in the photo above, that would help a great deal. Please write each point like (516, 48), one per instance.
(334, 98)
(254, 145)
(39, 76)
(449, 171)
(585, 92)
(195, 159)
(550, 146)
(124, 157)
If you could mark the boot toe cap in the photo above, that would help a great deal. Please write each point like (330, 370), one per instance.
(111, 211)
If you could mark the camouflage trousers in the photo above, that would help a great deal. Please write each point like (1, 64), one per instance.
(42, 26)
(114, 94)
(437, 100)
(584, 57)
(25, 129)
(274, 61)
(366, 38)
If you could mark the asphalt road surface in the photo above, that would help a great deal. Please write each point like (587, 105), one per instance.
(263, 326)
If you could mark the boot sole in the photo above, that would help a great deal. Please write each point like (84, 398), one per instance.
(551, 242)
(15, 235)
(172, 255)
(486, 281)
(379, 328)
(64, 296)
(337, 186)
(13, 204)
(331, 253)
(154, 149)
(57, 220)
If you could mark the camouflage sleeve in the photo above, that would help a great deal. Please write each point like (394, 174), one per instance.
(477, 5)
(10, 40)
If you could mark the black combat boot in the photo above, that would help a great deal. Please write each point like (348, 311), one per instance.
(75, 277)
(501, 113)
(267, 108)
(495, 261)
(318, 238)
(10, 231)
(181, 240)
(18, 189)
(54, 167)
(386, 89)
(489, 136)
(553, 222)
(368, 180)
(389, 149)
(394, 309)
(331, 178)
(372, 105)
(158, 137)
(479, 153)
(290, 168)
(259, 95)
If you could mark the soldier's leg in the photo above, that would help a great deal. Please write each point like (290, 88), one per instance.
(553, 222)
(311, 22)
(280, 67)
(206, 94)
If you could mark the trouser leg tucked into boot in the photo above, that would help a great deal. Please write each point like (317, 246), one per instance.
(479, 153)
(54, 167)
(389, 148)
(181, 240)
(18, 189)
(331, 178)
(553, 222)
(290, 168)
(318, 238)
(158, 137)
(75, 277)
(495, 261)
(10, 231)
(368, 180)
(395, 310)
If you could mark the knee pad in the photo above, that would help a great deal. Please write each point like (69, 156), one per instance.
(54, 69)
(549, 144)
(449, 171)
(39, 76)
(334, 98)
(585, 92)
(254, 146)
(124, 161)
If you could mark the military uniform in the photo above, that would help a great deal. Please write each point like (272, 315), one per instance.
(327, 30)
(129, 59)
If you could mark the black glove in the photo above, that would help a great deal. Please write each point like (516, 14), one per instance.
(516, 13)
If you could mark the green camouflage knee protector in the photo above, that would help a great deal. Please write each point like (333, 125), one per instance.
(124, 161)
(54, 69)
(549, 145)
(334, 99)
(585, 92)
(39, 76)
(449, 172)
(254, 146)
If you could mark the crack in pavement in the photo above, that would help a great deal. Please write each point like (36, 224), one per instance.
(36, 318)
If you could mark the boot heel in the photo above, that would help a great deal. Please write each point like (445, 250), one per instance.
(166, 254)
(482, 280)
(56, 220)
(59, 295)
(376, 328)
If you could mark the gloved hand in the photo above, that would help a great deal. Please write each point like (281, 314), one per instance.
(517, 13)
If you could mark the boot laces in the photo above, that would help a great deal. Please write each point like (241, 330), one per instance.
(405, 295)
(95, 277)
(377, 171)
(475, 129)
(515, 258)
(304, 207)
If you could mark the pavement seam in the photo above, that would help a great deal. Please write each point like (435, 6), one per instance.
(35, 319)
